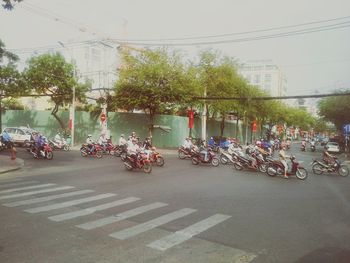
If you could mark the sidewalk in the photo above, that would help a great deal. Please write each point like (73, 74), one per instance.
(8, 165)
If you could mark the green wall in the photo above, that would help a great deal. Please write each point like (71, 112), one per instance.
(119, 123)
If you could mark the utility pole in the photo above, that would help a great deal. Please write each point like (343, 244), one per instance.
(204, 117)
(72, 109)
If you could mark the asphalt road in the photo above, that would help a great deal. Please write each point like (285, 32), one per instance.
(178, 213)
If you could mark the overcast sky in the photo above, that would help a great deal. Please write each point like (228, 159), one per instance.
(313, 61)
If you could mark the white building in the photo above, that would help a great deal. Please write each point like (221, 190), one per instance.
(96, 61)
(266, 75)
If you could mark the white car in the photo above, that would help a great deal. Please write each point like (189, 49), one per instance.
(333, 147)
(20, 136)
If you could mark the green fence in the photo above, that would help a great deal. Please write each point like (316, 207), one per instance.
(119, 123)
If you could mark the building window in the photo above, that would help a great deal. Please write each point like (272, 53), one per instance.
(257, 78)
(268, 78)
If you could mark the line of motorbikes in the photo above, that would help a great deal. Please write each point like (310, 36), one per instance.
(142, 160)
(255, 159)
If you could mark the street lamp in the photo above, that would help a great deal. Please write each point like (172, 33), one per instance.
(72, 109)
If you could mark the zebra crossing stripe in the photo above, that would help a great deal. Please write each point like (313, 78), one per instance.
(25, 188)
(91, 210)
(138, 229)
(119, 217)
(46, 198)
(68, 204)
(187, 233)
(36, 192)
(16, 184)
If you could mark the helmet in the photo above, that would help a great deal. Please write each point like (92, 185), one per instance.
(89, 135)
(122, 135)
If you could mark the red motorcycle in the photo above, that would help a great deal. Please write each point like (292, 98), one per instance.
(277, 167)
(138, 161)
(184, 153)
(198, 157)
(97, 151)
(156, 157)
(44, 153)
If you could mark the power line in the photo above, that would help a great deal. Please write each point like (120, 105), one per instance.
(275, 98)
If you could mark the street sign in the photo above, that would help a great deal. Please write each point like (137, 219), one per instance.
(346, 129)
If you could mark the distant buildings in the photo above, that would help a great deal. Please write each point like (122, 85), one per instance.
(266, 75)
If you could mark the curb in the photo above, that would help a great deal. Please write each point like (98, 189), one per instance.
(19, 165)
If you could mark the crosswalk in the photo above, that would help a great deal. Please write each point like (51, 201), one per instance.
(69, 196)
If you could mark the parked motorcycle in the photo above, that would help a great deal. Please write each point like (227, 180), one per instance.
(254, 162)
(156, 157)
(277, 167)
(141, 162)
(319, 167)
(56, 146)
(198, 157)
(184, 153)
(44, 153)
(97, 151)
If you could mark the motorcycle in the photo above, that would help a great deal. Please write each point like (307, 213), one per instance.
(302, 148)
(85, 151)
(184, 153)
(57, 146)
(277, 167)
(198, 157)
(254, 161)
(141, 162)
(120, 151)
(319, 167)
(44, 153)
(156, 157)
(313, 147)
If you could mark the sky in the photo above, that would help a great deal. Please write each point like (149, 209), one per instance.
(312, 62)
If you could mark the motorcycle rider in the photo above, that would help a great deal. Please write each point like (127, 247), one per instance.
(203, 150)
(283, 158)
(58, 139)
(303, 144)
(7, 140)
(39, 144)
(327, 157)
(187, 144)
(102, 141)
(122, 140)
(90, 143)
(133, 151)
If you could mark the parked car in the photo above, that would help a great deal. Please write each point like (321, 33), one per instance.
(20, 135)
(333, 147)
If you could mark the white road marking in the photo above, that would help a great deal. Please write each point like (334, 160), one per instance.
(187, 233)
(119, 217)
(138, 229)
(16, 184)
(68, 204)
(46, 198)
(91, 210)
(25, 188)
(36, 192)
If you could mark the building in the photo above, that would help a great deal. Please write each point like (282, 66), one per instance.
(266, 75)
(96, 61)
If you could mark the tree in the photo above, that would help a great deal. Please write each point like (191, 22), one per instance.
(51, 75)
(11, 82)
(9, 4)
(335, 109)
(151, 81)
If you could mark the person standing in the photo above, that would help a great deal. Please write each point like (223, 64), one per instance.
(283, 158)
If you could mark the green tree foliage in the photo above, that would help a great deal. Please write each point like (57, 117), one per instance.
(152, 81)
(336, 109)
(51, 75)
(9, 4)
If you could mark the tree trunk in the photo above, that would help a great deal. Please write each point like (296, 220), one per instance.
(222, 125)
(151, 123)
(54, 113)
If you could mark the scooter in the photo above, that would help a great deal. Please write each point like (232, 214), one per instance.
(44, 153)
(97, 151)
(156, 157)
(141, 162)
(59, 146)
(319, 167)
(276, 167)
(198, 157)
